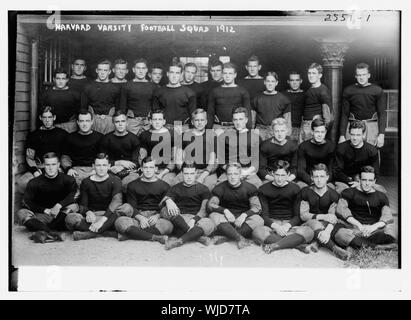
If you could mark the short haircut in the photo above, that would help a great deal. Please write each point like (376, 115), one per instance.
(84, 112)
(45, 109)
(279, 122)
(188, 165)
(239, 110)
(60, 70)
(148, 159)
(319, 167)
(367, 169)
(215, 63)
(120, 61)
(158, 111)
(281, 164)
(272, 74)
(357, 124)
(140, 60)
(294, 73)
(101, 156)
(78, 58)
(233, 165)
(119, 113)
(156, 65)
(104, 61)
(175, 64)
(318, 122)
(253, 58)
(362, 65)
(230, 65)
(50, 155)
(197, 111)
(316, 66)
(190, 64)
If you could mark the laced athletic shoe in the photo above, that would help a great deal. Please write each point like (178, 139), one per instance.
(220, 239)
(84, 235)
(314, 246)
(162, 239)
(268, 248)
(204, 240)
(303, 248)
(340, 253)
(242, 243)
(173, 243)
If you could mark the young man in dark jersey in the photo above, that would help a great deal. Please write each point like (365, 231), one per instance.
(78, 80)
(47, 138)
(224, 98)
(137, 98)
(103, 97)
(234, 208)
(100, 196)
(297, 97)
(156, 73)
(176, 100)
(280, 212)
(188, 199)
(364, 101)
(64, 100)
(47, 199)
(122, 148)
(158, 143)
(270, 105)
(317, 208)
(120, 71)
(215, 79)
(366, 214)
(278, 148)
(140, 216)
(315, 151)
(317, 102)
(198, 145)
(189, 73)
(81, 148)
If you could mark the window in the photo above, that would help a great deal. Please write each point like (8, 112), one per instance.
(392, 110)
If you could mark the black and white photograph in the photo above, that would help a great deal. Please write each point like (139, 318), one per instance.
(209, 140)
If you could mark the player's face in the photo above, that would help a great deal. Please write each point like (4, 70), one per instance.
(367, 181)
(200, 121)
(270, 83)
(47, 118)
(280, 177)
(189, 176)
(319, 134)
(78, 67)
(229, 75)
(120, 123)
(51, 167)
(313, 75)
(85, 122)
(156, 75)
(189, 74)
(253, 67)
(103, 71)
(140, 70)
(240, 120)
(320, 178)
(233, 176)
(356, 137)
(174, 74)
(294, 81)
(157, 121)
(148, 169)
(120, 71)
(101, 166)
(216, 73)
(362, 76)
(61, 80)
(280, 132)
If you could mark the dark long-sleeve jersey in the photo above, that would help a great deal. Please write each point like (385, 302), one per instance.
(138, 97)
(271, 152)
(78, 84)
(240, 199)
(101, 96)
(43, 192)
(100, 195)
(189, 199)
(66, 103)
(270, 106)
(164, 152)
(349, 160)
(314, 99)
(310, 154)
(82, 149)
(207, 86)
(221, 102)
(363, 103)
(254, 87)
(144, 196)
(279, 203)
(121, 147)
(198, 90)
(178, 103)
(297, 99)
(312, 204)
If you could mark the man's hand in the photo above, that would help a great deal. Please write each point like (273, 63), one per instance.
(55, 210)
(353, 184)
(368, 230)
(90, 217)
(126, 164)
(72, 173)
(229, 216)
(380, 141)
(116, 169)
(324, 236)
(95, 227)
(240, 220)
(47, 211)
(153, 219)
(143, 222)
(191, 223)
(172, 208)
(329, 218)
(125, 210)
(279, 229)
(37, 173)
(342, 139)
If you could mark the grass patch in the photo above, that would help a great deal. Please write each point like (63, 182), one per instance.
(368, 258)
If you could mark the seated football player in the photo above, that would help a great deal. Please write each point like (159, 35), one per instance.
(100, 196)
(234, 208)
